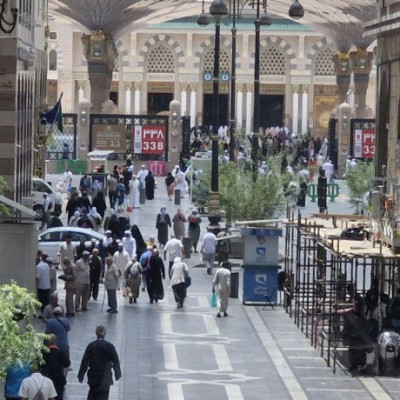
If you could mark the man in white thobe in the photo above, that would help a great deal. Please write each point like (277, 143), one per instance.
(222, 287)
(142, 175)
(120, 259)
(329, 171)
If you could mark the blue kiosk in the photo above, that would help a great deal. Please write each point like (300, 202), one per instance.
(260, 264)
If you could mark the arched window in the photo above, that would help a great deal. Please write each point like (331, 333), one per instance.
(52, 60)
(224, 61)
(160, 59)
(323, 63)
(272, 62)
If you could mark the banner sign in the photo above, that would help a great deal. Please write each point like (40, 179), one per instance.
(149, 139)
(109, 137)
(364, 143)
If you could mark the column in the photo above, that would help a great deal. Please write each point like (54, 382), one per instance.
(249, 109)
(304, 114)
(137, 98)
(128, 98)
(239, 109)
(193, 106)
(183, 100)
(295, 111)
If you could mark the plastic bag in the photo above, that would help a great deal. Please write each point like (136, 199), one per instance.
(213, 300)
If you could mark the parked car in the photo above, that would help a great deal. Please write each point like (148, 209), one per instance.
(50, 240)
(39, 186)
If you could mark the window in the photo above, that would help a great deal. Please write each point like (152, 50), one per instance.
(39, 186)
(160, 59)
(323, 64)
(272, 62)
(51, 237)
(53, 35)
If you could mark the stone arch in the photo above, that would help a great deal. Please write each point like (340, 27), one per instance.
(122, 52)
(60, 55)
(316, 47)
(207, 44)
(169, 42)
(279, 44)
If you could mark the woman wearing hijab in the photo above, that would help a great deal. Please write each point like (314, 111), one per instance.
(95, 188)
(170, 183)
(194, 228)
(133, 277)
(114, 227)
(100, 204)
(162, 223)
(95, 219)
(84, 221)
(140, 243)
(150, 185)
(179, 272)
(134, 192)
(73, 221)
(178, 221)
(155, 275)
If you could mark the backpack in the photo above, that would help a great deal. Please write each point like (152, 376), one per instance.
(192, 222)
(134, 271)
(162, 220)
(39, 395)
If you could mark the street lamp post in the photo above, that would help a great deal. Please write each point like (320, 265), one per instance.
(232, 142)
(264, 20)
(218, 10)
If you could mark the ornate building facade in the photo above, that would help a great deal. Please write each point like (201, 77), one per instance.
(174, 60)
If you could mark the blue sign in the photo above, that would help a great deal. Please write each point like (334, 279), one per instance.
(224, 77)
(257, 282)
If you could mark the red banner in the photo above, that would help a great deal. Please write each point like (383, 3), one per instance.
(364, 143)
(149, 139)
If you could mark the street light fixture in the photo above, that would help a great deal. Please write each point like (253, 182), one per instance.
(5, 25)
(296, 10)
(218, 10)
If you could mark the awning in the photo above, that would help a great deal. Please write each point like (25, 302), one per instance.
(26, 213)
(100, 154)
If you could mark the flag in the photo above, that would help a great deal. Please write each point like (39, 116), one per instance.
(53, 117)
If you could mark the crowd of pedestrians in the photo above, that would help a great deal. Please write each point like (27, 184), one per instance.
(122, 260)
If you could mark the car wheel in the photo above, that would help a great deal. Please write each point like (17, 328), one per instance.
(39, 212)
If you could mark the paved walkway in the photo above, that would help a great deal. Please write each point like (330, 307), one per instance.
(189, 354)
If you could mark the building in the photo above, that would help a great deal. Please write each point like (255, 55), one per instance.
(23, 69)
(174, 60)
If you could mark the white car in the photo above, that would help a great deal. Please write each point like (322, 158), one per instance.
(50, 240)
(39, 186)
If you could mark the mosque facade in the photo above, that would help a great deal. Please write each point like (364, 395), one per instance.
(174, 60)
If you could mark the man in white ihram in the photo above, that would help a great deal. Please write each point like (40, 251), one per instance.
(208, 250)
(174, 248)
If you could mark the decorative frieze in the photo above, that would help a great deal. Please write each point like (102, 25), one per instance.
(188, 78)
(133, 77)
(79, 76)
